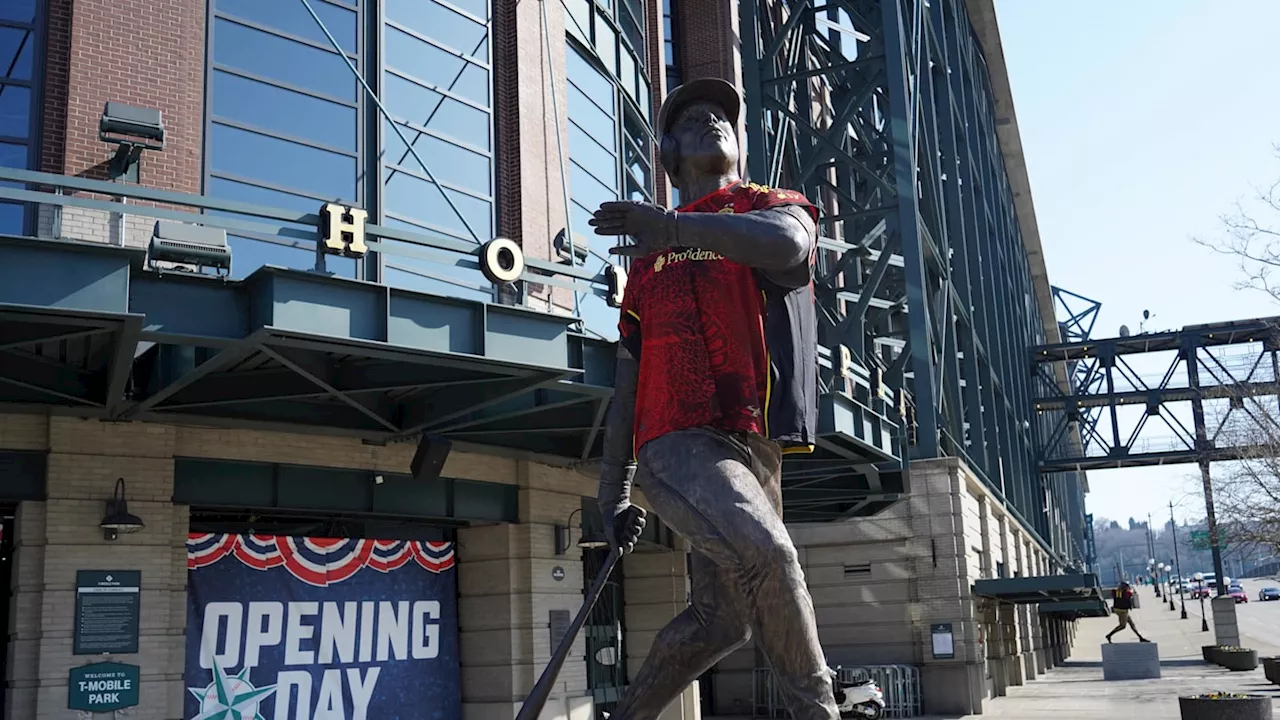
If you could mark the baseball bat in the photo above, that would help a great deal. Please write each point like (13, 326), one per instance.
(542, 689)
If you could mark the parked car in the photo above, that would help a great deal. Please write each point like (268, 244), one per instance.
(1269, 593)
(1238, 594)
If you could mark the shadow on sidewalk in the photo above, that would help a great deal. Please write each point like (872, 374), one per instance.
(1189, 662)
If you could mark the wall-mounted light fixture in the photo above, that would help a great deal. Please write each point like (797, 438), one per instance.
(586, 540)
(118, 518)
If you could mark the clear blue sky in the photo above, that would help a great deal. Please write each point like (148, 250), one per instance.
(1143, 121)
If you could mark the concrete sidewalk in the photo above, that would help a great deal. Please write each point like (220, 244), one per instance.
(1076, 690)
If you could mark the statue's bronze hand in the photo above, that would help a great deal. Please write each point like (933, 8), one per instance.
(652, 227)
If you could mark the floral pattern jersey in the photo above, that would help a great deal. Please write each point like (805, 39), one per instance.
(719, 344)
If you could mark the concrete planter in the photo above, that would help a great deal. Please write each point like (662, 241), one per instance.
(1271, 668)
(1238, 660)
(1237, 707)
(1207, 652)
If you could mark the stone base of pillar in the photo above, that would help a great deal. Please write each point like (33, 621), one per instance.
(953, 689)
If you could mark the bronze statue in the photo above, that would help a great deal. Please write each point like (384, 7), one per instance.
(716, 380)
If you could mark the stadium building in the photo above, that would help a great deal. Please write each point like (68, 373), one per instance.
(305, 348)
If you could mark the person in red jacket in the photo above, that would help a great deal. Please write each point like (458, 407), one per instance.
(1122, 606)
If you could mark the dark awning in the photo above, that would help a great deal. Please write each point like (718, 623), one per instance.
(1040, 589)
(1073, 609)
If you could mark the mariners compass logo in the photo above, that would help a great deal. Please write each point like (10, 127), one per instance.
(230, 697)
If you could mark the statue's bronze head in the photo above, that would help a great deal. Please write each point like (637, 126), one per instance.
(698, 129)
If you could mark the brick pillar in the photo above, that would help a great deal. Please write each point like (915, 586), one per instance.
(57, 537)
(145, 54)
(943, 579)
(657, 590)
(506, 590)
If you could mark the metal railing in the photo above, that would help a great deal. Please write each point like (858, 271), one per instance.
(899, 683)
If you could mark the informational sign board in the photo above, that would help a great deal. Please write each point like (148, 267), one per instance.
(291, 627)
(108, 603)
(559, 626)
(944, 645)
(102, 687)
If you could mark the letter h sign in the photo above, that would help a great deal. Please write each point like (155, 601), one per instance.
(342, 230)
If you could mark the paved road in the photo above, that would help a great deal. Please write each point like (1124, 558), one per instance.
(1259, 621)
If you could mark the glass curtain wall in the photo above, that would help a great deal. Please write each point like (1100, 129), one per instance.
(284, 118)
(610, 140)
(290, 126)
(436, 87)
(18, 41)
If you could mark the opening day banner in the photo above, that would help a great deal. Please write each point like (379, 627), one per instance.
(293, 628)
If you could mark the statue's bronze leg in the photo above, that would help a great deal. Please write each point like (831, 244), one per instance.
(720, 493)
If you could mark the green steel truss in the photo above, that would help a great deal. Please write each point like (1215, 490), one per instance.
(882, 112)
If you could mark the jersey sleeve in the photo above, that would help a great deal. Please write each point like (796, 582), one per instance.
(629, 321)
(770, 198)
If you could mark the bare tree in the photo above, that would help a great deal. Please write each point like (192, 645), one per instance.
(1253, 239)
(1247, 487)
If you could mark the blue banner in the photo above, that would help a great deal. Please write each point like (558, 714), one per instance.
(290, 628)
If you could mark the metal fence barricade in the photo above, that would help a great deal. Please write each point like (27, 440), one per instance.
(899, 683)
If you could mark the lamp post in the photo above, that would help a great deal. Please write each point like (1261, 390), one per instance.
(1153, 573)
(1160, 583)
(1169, 595)
(1204, 619)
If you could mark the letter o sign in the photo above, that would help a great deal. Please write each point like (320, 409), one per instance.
(502, 261)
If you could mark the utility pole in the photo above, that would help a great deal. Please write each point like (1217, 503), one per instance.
(1177, 563)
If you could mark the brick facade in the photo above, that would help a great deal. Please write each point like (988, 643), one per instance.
(139, 52)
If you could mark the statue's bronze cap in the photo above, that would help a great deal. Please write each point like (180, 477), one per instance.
(713, 90)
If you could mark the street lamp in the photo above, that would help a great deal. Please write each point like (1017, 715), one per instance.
(1169, 569)
(1154, 574)
(1204, 619)
(1182, 584)
(1160, 578)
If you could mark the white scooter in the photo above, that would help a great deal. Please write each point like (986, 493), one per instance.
(858, 700)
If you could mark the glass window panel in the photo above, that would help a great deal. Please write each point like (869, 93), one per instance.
(290, 165)
(644, 93)
(284, 111)
(247, 255)
(13, 156)
(434, 111)
(449, 163)
(606, 43)
(588, 152)
(591, 119)
(12, 217)
(668, 53)
(293, 18)
(435, 20)
(589, 78)
(633, 31)
(582, 231)
(18, 10)
(15, 52)
(479, 8)
(589, 191)
(430, 64)
(417, 199)
(284, 60)
(627, 72)
(579, 19)
(15, 111)
(242, 192)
